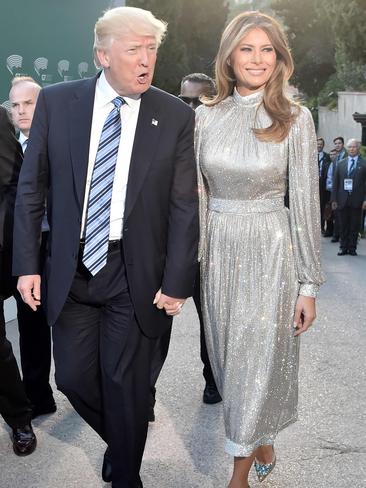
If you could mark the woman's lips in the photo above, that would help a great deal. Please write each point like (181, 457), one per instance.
(256, 72)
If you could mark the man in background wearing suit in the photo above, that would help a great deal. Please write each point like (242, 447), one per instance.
(341, 154)
(349, 196)
(14, 404)
(323, 163)
(34, 332)
(115, 156)
(339, 146)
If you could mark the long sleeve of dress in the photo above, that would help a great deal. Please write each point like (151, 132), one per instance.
(304, 203)
(202, 186)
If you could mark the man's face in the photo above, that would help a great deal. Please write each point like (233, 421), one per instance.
(353, 149)
(191, 91)
(338, 144)
(320, 145)
(333, 154)
(129, 63)
(23, 99)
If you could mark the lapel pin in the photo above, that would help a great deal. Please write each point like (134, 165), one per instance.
(154, 122)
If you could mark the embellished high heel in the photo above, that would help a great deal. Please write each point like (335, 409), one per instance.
(263, 470)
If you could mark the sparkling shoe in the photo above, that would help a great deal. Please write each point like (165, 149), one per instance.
(263, 470)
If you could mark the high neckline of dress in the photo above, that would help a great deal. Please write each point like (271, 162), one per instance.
(248, 100)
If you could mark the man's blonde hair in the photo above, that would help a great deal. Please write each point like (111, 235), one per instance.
(121, 20)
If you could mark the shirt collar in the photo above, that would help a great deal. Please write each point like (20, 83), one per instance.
(105, 94)
(22, 138)
(355, 158)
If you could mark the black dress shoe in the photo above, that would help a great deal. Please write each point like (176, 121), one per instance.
(352, 253)
(107, 466)
(342, 253)
(43, 410)
(211, 395)
(335, 239)
(24, 440)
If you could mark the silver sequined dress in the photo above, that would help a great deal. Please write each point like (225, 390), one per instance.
(256, 257)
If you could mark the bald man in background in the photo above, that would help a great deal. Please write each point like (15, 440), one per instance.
(34, 332)
(15, 407)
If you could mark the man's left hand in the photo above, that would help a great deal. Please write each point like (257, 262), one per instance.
(171, 305)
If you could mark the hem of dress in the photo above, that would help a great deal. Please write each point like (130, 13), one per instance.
(238, 450)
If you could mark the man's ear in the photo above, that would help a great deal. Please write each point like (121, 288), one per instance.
(103, 57)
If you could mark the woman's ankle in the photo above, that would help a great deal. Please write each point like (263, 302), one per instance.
(265, 454)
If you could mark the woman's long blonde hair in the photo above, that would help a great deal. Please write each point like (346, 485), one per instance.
(278, 106)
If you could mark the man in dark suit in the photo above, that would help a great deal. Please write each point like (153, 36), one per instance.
(34, 332)
(349, 196)
(116, 158)
(341, 154)
(323, 163)
(14, 404)
(333, 222)
(339, 147)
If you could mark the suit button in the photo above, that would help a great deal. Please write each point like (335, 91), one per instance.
(125, 229)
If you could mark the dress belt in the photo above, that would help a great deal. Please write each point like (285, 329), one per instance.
(242, 207)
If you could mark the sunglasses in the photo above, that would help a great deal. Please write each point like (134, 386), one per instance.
(189, 100)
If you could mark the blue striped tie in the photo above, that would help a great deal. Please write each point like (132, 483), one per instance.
(100, 195)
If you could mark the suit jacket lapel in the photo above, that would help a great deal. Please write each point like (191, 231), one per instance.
(144, 147)
(81, 114)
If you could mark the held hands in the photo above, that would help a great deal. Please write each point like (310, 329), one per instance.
(29, 287)
(304, 314)
(172, 306)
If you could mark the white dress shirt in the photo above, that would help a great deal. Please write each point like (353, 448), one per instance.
(23, 141)
(350, 158)
(104, 94)
(329, 180)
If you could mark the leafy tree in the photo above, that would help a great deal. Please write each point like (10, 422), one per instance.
(201, 26)
(194, 30)
(238, 7)
(348, 23)
(311, 39)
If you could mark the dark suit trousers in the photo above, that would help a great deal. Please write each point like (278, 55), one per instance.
(35, 348)
(14, 404)
(102, 362)
(207, 371)
(336, 224)
(350, 219)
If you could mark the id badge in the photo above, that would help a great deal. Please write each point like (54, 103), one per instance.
(348, 184)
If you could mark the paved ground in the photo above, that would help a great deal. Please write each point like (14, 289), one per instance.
(326, 448)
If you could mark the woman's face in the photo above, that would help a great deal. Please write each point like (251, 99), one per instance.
(253, 62)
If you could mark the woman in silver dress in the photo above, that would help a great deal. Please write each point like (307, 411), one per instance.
(260, 262)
